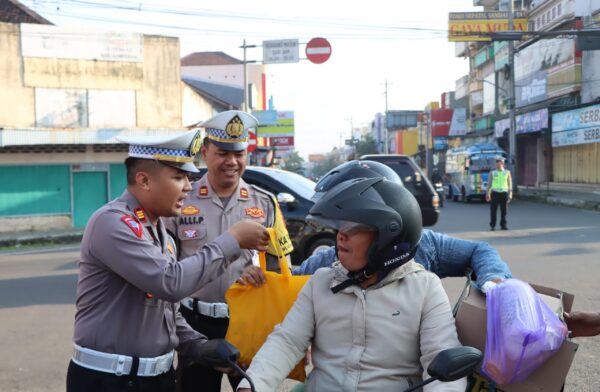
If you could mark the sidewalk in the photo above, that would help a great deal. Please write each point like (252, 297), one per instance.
(41, 237)
(586, 197)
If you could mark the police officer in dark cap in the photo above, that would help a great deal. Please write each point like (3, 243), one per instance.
(127, 323)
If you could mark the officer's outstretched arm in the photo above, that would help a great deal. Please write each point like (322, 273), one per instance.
(141, 263)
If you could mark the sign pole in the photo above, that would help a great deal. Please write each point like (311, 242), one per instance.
(512, 137)
(245, 100)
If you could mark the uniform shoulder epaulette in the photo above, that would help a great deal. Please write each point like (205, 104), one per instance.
(261, 191)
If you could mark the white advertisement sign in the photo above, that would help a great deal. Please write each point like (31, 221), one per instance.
(458, 126)
(577, 136)
(72, 43)
(281, 51)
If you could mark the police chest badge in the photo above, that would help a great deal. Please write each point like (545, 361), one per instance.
(190, 210)
(254, 212)
(235, 128)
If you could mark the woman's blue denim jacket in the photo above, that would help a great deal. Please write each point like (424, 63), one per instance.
(441, 254)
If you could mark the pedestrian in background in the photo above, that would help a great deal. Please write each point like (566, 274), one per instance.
(499, 193)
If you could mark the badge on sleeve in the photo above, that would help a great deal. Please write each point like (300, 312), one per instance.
(134, 225)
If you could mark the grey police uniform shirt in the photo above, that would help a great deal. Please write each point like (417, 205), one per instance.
(204, 218)
(130, 283)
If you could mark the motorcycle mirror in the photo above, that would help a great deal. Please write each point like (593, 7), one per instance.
(451, 364)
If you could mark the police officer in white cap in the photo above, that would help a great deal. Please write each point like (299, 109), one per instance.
(127, 323)
(219, 200)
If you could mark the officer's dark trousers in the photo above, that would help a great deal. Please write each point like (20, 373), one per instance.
(80, 379)
(498, 199)
(197, 378)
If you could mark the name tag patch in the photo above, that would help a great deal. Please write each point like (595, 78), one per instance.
(191, 220)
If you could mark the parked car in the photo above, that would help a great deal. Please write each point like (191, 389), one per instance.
(293, 193)
(415, 181)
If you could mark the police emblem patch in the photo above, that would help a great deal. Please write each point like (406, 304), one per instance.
(191, 233)
(235, 127)
(134, 225)
(254, 212)
(190, 210)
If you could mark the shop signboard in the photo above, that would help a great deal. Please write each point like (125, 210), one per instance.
(441, 120)
(579, 126)
(477, 26)
(440, 143)
(532, 121)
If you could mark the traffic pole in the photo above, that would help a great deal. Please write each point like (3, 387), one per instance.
(512, 133)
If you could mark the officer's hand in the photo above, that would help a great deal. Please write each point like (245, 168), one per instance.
(487, 198)
(250, 235)
(253, 275)
(583, 323)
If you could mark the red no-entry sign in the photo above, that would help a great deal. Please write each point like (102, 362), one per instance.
(318, 50)
(251, 141)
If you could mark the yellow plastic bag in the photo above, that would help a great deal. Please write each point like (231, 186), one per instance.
(255, 311)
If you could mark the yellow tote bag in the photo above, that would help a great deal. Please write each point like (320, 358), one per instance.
(255, 311)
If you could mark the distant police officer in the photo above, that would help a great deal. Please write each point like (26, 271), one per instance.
(220, 199)
(499, 192)
(127, 322)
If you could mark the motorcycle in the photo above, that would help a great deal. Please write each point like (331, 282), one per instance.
(448, 365)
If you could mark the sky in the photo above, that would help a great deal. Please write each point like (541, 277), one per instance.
(372, 41)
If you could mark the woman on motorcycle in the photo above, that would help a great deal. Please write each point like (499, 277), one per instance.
(375, 319)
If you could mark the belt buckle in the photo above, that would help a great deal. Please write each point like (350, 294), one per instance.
(213, 310)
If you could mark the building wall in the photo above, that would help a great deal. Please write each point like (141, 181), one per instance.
(159, 102)
(194, 107)
(232, 74)
(16, 100)
(578, 163)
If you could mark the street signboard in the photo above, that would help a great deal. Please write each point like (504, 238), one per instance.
(281, 51)
(265, 117)
(251, 141)
(284, 126)
(318, 50)
(282, 141)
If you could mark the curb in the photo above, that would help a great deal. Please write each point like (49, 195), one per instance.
(32, 239)
(562, 201)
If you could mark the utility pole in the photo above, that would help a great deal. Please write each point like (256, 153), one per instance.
(245, 100)
(386, 147)
(512, 136)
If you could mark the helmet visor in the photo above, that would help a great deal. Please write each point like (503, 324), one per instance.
(343, 226)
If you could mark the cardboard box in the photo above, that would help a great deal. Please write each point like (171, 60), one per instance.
(471, 323)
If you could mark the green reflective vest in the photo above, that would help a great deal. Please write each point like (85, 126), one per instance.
(500, 181)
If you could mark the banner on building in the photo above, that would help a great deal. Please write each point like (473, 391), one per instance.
(477, 26)
(458, 127)
(579, 126)
(48, 41)
(533, 121)
(284, 126)
(265, 117)
(526, 123)
(546, 69)
(441, 119)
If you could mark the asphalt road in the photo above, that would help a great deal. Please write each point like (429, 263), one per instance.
(548, 245)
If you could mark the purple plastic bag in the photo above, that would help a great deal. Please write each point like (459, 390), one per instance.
(522, 332)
